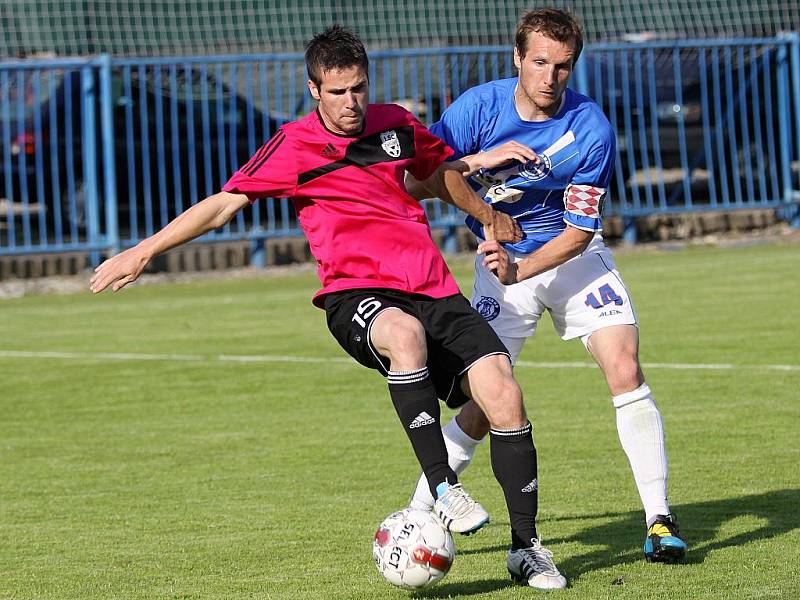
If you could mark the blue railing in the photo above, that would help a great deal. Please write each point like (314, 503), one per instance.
(96, 154)
(701, 125)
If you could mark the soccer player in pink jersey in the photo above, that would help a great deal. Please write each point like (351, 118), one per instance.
(389, 297)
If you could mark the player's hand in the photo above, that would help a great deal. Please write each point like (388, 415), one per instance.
(503, 228)
(497, 260)
(505, 153)
(120, 270)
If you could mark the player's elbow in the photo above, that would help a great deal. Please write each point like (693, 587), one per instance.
(452, 180)
(416, 188)
(584, 242)
(226, 205)
(579, 239)
(433, 186)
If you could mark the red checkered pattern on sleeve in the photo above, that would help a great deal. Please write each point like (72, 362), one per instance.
(585, 200)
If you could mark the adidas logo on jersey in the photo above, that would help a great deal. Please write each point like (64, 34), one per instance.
(531, 487)
(330, 151)
(421, 420)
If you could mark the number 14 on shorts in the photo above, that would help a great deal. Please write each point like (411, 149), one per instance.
(607, 296)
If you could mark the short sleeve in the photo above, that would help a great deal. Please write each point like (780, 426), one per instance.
(459, 126)
(586, 193)
(270, 172)
(429, 151)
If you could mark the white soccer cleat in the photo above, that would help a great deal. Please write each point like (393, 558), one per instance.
(534, 567)
(459, 512)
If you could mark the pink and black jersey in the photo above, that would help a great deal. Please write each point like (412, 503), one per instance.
(363, 228)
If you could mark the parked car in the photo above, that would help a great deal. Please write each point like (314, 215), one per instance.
(665, 131)
(176, 139)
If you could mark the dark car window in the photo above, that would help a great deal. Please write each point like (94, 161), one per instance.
(11, 91)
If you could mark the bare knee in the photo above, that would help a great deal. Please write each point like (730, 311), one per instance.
(472, 421)
(508, 411)
(623, 374)
(493, 387)
(616, 350)
(401, 338)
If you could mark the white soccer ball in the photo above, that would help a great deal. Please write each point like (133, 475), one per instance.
(413, 549)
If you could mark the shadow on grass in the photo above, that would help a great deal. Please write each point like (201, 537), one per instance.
(618, 540)
(472, 588)
(621, 540)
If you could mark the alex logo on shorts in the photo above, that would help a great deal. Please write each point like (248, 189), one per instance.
(488, 308)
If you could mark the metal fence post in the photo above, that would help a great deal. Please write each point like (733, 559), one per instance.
(89, 146)
(794, 219)
(784, 120)
(109, 168)
(450, 239)
(258, 252)
(629, 233)
(580, 75)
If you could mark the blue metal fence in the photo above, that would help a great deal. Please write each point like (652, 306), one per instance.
(96, 154)
(701, 125)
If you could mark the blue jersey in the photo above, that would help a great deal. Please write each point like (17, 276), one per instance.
(576, 148)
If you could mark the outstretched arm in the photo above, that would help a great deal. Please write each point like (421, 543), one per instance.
(568, 244)
(211, 213)
(448, 183)
(498, 156)
(467, 165)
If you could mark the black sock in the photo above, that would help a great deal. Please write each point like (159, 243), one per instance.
(415, 401)
(514, 466)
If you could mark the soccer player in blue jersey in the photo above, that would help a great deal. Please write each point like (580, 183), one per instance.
(544, 154)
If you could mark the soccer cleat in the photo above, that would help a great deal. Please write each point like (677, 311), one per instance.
(459, 513)
(534, 567)
(663, 542)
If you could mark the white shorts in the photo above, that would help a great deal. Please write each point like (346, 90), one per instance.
(584, 294)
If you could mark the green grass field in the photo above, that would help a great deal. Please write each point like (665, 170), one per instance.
(210, 440)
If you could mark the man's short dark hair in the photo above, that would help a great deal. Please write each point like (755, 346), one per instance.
(334, 48)
(558, 25)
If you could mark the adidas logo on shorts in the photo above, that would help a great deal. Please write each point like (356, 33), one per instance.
(531, 487)
(421, 420)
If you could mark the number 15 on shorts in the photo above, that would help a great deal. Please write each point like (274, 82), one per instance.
(366, 308)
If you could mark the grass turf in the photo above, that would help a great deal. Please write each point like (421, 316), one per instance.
(193, 477)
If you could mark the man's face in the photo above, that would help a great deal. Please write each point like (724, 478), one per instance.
(544, 72)
(342, 96)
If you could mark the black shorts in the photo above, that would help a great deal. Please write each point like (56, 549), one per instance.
(457, 335)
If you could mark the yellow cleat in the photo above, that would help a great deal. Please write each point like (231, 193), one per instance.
(663, 542)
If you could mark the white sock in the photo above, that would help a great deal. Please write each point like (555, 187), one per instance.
(460, 450)
(641, 433)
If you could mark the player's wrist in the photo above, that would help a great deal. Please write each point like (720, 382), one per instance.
(519, 271)
(517, 277)
(487, 216)
(472, 164)
(147, 249)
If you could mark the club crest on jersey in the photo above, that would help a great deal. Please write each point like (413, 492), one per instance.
(488, 308)
(533, 171)
(390, 143)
